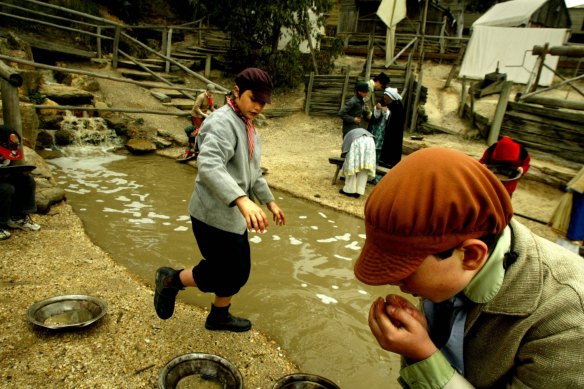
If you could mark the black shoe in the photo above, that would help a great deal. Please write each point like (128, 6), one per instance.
(165, 293)
(355, 195)
(220, 319)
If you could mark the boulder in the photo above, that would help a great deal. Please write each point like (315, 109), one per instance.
(140, 146)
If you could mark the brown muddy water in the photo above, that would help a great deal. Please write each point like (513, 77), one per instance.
(301, 292)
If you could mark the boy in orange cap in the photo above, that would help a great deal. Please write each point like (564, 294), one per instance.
(501, 307)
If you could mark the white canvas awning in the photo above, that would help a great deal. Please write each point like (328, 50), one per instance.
(510, 47)
(514, 13)
(391, 12)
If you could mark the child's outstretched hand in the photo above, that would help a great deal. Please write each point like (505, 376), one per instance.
(255, 218)
(278, 214)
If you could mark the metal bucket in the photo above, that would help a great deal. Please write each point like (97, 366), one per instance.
(200, 370)
(304, 381)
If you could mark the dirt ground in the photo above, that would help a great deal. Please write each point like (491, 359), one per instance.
(129, 347)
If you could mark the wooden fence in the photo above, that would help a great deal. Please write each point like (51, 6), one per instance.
(548, 130)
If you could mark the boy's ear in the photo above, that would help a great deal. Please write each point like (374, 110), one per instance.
(475, 253)
(235, 91)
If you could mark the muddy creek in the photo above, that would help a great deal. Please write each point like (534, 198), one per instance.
(301, 292)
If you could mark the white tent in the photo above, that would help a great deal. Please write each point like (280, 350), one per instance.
(514, 13)
(497, 40)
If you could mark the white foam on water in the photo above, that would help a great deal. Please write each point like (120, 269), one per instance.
(362, 236)
(180, 228)
(255, 239)
(276, 237)
(294, 241)
(363, 292)
(167, 224)
(326, 299)
(112, 210)
(143, 220)
(302, 217)
(343, 258)
(183, 218)
(154, 215)
(345, 237)
(335, 287)
(100, 201)
(114, 190)
(314, 227)
(353, 246)
(81, 191)
(331, 221)
(303, 285)
(122, 198)
(137, 205)
(141, 196)
(323, 215)
(327, 240)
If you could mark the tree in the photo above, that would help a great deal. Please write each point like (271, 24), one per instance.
(255, 28)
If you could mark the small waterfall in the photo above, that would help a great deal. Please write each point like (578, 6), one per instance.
(91, 131)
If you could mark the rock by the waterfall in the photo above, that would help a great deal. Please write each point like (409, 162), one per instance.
(66, 95)
(64, 137)
(46, 197)
(162, 143)
(140, 146)
(86, 83)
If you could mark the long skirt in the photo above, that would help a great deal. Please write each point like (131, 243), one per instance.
(359, 165)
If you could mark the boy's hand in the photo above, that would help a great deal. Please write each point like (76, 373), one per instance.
(408, 336)
(255, 217)
(278, 214)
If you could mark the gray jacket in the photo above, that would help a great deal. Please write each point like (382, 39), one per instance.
(225, 172)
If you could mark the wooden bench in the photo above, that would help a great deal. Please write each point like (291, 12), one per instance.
(338, 161)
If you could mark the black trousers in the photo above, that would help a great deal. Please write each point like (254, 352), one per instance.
(17, 197)
(226, 262)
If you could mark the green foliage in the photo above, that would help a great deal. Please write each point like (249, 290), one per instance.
(255, 28)
(36, 97)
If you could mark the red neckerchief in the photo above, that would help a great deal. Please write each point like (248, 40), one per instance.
(248, 124)
(210, 101)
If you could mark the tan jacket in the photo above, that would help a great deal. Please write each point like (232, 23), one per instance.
(532, 333)
(201, 107)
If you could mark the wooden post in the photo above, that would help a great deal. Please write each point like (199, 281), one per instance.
(10, 75)
(208, 65)
(416, 101)
(540, 63)
(163, 48)
(168, 49)
(345, 86)
(499, 113)
(442, 40)
(371, 47)
(309, 94)
(311, 47)
(463, 93)
(10, 106)
(115, 53)
(98, 41)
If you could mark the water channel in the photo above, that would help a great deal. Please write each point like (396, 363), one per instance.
(302, 291)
